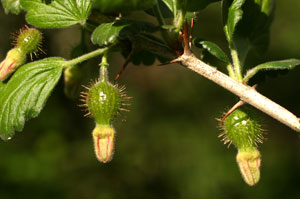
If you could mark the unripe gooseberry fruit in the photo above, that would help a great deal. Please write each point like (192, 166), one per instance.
(242, 128)
(28, 40)
(104, 102)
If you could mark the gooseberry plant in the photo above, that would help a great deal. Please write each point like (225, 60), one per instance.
(25, 87)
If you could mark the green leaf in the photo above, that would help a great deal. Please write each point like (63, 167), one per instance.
(164, 9)
(247, 24)
(137, 50)
(213, 49)
(187, 5)
(287, 64)
(25, 94)
(171, 4)
(12, 6)
(109, 33)
(168, 27)
(58, 14)
(196, 5)
(232, 14)
(193, 5)
(254, 28)
(122, 5)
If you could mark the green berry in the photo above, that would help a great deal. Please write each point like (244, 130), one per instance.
(104, 102)
(29, 40)
(242, 128)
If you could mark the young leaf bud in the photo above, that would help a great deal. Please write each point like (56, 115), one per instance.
(29, 40)
(104, 137)
(14, 58)
(249, 164)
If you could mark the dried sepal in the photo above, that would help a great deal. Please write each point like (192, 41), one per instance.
(249, 162)
(14, 58)
(104, 138)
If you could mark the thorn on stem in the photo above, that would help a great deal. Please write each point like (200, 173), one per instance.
(122, 69)
(237, 105)
(178, 59)
(191, 36)
(186, 39)
(128, 59)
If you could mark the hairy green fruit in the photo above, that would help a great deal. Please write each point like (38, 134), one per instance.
(104, 102)
(29, 40)
(242, 128)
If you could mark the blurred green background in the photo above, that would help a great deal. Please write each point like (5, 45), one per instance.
(168, 145)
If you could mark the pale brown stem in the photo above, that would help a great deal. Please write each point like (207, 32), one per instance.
(246, 93)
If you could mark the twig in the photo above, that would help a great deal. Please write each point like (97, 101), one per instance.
(246, 93)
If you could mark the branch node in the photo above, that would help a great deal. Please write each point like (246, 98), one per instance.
(178, 59)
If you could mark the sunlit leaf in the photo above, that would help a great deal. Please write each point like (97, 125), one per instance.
(213, 49)
(108, 33)
(273, 65)
(58, 14)
(232, 14)
(247, 24)
(26, 92)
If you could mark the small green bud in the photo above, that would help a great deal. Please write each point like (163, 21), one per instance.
(249, 164)
(104, 137)
(14, 58)
(73, 77)
(28, 40)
